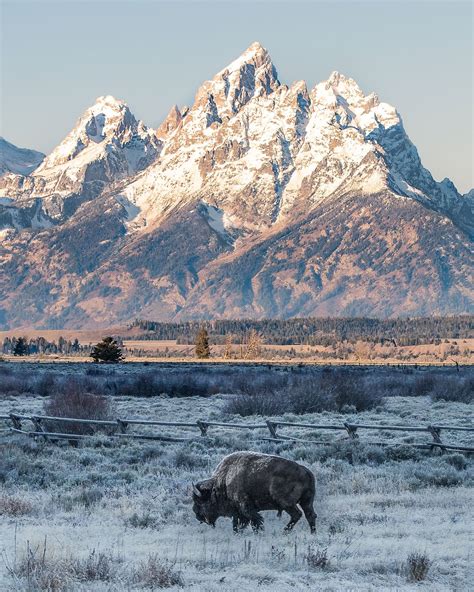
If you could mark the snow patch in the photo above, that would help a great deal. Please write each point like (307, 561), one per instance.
(217, 219)
(130, 208)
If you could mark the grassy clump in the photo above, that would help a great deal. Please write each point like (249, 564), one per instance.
(14, 506)
(41, 571)
(418, 565)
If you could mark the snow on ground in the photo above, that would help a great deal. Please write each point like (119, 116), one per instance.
(131, 500)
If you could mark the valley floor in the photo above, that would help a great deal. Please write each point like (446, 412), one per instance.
(129, 504)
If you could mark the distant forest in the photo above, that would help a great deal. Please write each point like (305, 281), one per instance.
(317, 331)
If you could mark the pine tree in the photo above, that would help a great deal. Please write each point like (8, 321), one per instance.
(21, 347)
(203, 350)
(107, 351)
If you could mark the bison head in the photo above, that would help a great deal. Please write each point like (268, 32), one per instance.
(204, 506)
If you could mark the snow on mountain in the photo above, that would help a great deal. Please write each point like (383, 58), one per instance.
(106, 127)
(21, 161)
(260, 199)
(264, 151)
(107, 145)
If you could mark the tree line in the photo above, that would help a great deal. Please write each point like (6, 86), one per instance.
(316, 331)
(107, 350)
(22, 346)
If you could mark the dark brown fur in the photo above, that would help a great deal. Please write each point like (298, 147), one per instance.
(245, 483)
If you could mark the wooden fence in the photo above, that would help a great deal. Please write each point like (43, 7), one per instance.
(119, 428)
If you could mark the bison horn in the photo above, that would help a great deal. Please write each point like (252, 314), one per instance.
(196, 491)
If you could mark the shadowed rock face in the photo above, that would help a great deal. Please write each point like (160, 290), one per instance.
(260, 200)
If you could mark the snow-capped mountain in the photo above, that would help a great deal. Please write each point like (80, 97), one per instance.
(16, 160)
(106, 145)
(262, 151)
(260, 199)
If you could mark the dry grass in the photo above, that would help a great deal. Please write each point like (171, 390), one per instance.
(418, 565)
(316, 558)
(14, 506)
(155, 573)
(38, 570)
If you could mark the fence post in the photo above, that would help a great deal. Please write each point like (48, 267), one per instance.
(436, 434)
(351, 430)
(122, 425)
(272, 428)
(39, 427)
(16, 421)
(203, 426)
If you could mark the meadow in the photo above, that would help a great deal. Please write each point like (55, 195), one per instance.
(108, 515)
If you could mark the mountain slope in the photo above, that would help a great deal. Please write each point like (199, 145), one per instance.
(260, 200)
(21, 161)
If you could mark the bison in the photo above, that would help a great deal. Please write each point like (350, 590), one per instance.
(245, 483)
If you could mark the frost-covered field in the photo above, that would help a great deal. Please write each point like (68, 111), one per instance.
(107, 516)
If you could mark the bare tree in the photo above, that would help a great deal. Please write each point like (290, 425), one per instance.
(228, 347)
(254, 342)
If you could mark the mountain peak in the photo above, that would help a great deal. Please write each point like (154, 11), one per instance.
(108, 122)
(108, 105)
(255, 48)
(249, 76)
(255, 56)
(108, 100)
(343, 85)
(170, 123)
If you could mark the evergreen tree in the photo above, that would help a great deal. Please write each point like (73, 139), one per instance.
(203, 350)
(21, 347)
(107, 350)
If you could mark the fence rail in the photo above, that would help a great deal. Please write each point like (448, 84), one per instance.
(118, 429)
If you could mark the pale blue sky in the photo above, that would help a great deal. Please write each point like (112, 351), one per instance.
(57, 57)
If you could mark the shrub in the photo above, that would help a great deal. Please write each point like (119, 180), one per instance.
(15, 385)
(95, 567)
(458, 461)
(330, 391)
(142, 520)
(431, 475)
(423, 386)
(316, 558)
(151, 384)
(46, 385)
(418, 565)
(260, 404)
(14, 506)
(76, 403)
(154, 573)
(43, 572)
(454, 389)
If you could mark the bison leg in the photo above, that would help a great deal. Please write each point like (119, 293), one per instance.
(295, 514)
(235, 523)
(249, 513)
(306, 504)
(239, 523)
(257, 522)
(310, 517)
